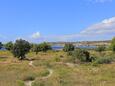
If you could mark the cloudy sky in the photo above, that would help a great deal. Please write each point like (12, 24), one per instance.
(57, 20)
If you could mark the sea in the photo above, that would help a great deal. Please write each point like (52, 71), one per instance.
(61, 47)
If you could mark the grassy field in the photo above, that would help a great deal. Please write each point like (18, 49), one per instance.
(15, 73)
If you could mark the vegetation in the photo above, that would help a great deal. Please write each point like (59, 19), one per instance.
(20, 48)
(113, 44)
(82, 55)
(105, 60)
(36, 48)
(80, 74)
(1, 45)
(68, 47)
(53, 68)
(44, 47)
(9, 46)
(100, 48)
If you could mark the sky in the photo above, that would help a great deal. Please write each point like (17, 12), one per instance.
(57, 20)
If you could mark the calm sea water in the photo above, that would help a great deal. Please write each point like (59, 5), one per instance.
(83, 47)
(61, 47)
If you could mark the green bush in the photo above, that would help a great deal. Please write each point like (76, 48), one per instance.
(44, 47)
(104, 60)
(113, 44)
(81, 55)
(36, 48)
(100, 48)
(68, 47)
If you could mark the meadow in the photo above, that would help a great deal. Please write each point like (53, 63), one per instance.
(52, 68)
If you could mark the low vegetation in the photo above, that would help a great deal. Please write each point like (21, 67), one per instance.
(113, 44)
(70, 67)
(68, 47)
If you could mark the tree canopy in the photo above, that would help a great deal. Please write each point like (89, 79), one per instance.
(68, 47)
(20, 48)
(9, 46)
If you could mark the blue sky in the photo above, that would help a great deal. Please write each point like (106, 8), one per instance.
(57, 20)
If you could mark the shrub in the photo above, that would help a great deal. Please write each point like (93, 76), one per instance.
(104, 60)
(68, 47)
(20, 48)
(100, 48)
(44, 47)
(113, 44)
(81, 55)
(36, 48)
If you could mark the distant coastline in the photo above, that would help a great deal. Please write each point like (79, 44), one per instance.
(82, 43)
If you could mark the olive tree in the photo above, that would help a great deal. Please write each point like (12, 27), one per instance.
(36, 48)
(44, 47)
(9, 46)
(68, 47)
(20, 48)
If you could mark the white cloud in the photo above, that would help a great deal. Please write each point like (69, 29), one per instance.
(107, 26)
(102, 30)
(100, 1)
(36, 35)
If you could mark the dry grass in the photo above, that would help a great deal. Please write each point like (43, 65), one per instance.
(14, 72)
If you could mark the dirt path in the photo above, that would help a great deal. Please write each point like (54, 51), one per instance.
(50, 73)
(71, 65)
(29, 83)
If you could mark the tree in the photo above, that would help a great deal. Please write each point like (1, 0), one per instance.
(9, 46)
(100, 48)
(68, 47)
(44, 47)
(113, 44)
(36, 48)
(80, 55)
(1, 45)
(20, 48)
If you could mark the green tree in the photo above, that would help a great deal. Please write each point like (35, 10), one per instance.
(44, 47)
(20, 48)
(80, 55)
(1, 45)
(9, 46)
(113, 44)
(68, 47)
(36, 48)
(101, 48)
